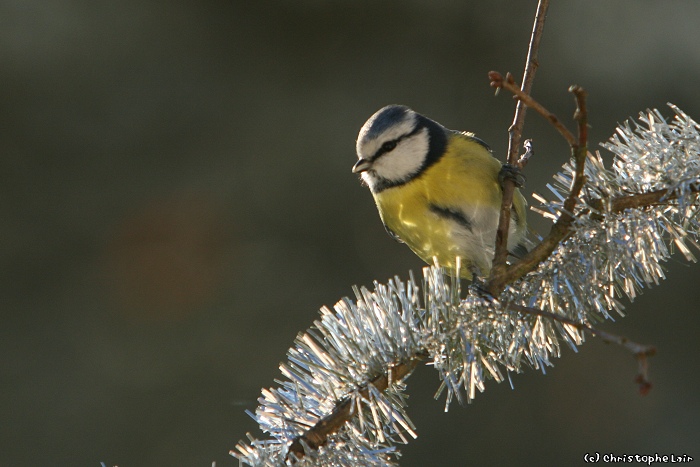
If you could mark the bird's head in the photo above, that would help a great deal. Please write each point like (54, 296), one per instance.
(396, 145)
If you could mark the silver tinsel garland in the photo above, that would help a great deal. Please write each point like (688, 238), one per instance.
(469, 340)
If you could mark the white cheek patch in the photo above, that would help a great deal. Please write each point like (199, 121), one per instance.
(405, 160)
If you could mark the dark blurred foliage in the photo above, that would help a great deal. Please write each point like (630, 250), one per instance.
(177, 203)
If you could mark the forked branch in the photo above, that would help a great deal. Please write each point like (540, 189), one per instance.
(579, 151)
(514, 136)
(562, 227)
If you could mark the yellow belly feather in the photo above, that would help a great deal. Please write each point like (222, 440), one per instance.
(465, 177)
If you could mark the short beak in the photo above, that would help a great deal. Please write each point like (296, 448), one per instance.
(361, 165)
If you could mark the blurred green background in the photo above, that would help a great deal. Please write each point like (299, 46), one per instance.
(177, 203)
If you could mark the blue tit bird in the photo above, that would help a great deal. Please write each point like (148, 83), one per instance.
(437, 190)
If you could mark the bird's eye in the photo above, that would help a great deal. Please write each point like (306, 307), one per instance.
(388, 146)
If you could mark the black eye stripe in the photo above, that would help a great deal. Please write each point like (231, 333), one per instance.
(389, 146)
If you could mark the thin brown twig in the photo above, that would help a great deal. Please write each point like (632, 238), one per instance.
(601, 207)
(531, 64)
(508, 83)
(632, 201)
(344, 410)
(641, 352)
(562, 227)
(514, 135)
(579, 153)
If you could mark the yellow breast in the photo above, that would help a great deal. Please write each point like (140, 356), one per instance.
(466, 177)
